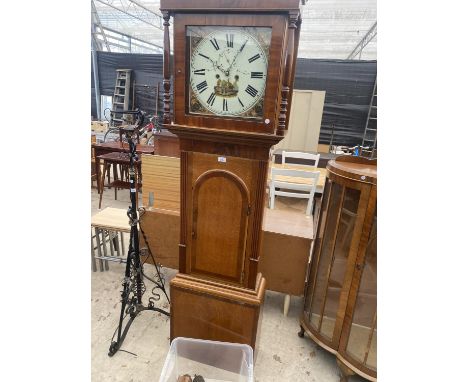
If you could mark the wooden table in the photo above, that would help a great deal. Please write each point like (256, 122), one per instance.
(109, 147)
(119, 158)
(298, 180)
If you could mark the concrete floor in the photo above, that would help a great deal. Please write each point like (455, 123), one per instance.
(282, 355)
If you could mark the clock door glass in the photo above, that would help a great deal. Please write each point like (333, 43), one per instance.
(227, 70)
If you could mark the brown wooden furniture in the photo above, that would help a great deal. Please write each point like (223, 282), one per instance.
(161, 228)
(166, 144)
(161, 188)
(216, 311)
(340, 305)
(110, 147)
(287, 241)
(324, 156)
(298, 180)
(113, 159)
(227, 118)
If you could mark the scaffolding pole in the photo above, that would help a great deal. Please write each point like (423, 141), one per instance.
(97, 92)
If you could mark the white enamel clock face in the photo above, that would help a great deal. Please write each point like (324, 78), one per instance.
(228, 72)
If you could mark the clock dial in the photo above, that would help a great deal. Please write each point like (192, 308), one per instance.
(228, 71)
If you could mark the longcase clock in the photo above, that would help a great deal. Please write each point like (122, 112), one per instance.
(232, 80)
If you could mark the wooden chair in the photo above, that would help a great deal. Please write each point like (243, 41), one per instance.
(114, 159)
(300, 155)
(288, 180)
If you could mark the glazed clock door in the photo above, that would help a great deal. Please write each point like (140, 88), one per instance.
(219, 225)
(228, 71)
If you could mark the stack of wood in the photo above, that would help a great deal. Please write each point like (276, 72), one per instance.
(99, 126)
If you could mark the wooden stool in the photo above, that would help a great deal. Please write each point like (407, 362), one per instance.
(112, 222)
(114, 159)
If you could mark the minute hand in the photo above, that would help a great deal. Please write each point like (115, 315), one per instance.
(237, 54)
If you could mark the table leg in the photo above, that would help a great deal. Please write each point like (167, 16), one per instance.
(111, 242)
(114, 167)
(98, 243)
(116, 243)
(104, 246)
(97, 169)
(93, 260)
(103, 177)
(287, 301)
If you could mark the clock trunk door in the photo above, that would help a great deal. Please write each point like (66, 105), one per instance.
(219, 225)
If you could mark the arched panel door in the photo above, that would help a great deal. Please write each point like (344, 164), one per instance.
(219, 225)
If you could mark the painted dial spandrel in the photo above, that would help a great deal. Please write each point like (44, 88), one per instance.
(228, 70)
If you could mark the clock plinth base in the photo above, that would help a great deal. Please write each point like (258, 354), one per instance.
(214, 311)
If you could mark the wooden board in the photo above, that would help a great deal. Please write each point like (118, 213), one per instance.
(283, 262)
(305, 121)
(161, 176)
(299, 180)
(288, 222)
(114, 219)
(99, 126)
(161, 228)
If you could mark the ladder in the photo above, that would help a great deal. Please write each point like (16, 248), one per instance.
(369, 139)
(121, 98)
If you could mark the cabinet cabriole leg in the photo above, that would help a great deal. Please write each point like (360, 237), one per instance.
(301, 332)
(346, 372)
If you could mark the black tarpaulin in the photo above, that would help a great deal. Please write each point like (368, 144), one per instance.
(348, 85)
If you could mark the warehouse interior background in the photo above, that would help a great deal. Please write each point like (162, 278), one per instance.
(422, 81)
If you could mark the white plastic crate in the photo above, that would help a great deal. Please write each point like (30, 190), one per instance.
(215, 361)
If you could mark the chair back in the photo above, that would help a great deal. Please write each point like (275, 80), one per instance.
(300, 155)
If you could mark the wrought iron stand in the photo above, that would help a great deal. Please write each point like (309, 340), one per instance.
(133, 283)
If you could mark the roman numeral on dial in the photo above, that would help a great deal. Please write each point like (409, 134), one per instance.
(225, 105)
(200, 72)
(202, 86)
(230, 40)
(214, 43)
(251, 90)
(253, 58)
(256, 75)
(240, 101)
(211, 99)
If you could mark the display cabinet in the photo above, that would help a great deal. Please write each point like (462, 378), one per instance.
(340, 304)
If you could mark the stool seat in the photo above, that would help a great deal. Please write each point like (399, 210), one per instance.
(112, 219)
(108, 224)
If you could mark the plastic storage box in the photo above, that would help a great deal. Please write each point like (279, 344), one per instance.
(213, 360)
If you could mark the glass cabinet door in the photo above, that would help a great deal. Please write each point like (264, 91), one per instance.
(362, 340)
(330, 257)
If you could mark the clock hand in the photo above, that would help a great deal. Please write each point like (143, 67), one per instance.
(215, 64)
(237, 54)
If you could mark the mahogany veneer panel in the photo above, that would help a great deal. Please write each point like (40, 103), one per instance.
(214, 311)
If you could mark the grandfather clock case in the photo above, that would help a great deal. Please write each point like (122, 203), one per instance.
(232, 79)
